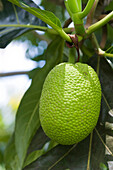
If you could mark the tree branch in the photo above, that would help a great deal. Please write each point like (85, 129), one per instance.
(14, 73)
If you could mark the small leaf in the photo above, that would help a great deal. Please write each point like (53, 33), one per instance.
(27, 119)
(46, 16)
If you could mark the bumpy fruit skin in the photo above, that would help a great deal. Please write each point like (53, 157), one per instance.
(70, 103)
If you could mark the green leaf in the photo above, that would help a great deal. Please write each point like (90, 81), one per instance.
(76, 159)
(36, 154)
(15, 15)
(10, 156)
(46, 16)
(58, 10)
(27, 119)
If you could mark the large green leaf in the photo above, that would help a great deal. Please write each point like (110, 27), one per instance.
(70, 157)
(11, 157)
(9, 15)
(76, 158)
(46, 16)
(27, 119)
(106, 119)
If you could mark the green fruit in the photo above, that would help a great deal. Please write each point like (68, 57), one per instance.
(70, 103)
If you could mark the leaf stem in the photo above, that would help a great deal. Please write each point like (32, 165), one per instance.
(87, 9)
(40, 28)
(73, 5)
(74, 8)
(16, 14)
(91, 14)
(64, 35)
(72, 55)
(25, 26)
(108, 54)
(98, 50)
(100, 23)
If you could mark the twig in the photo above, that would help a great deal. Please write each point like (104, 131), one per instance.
(100, 23)
(104, 37)
(13, 73)
(104, 15)
(91, 14)
(103, 142)
(67, 23)
(89, 154)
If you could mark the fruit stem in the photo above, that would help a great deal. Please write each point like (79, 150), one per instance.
(72, 53)
(60, 58)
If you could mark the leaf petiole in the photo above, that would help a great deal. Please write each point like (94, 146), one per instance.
(98, 50)
(100, 23)
(87, 9)
(62, 32)
(74, 6)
